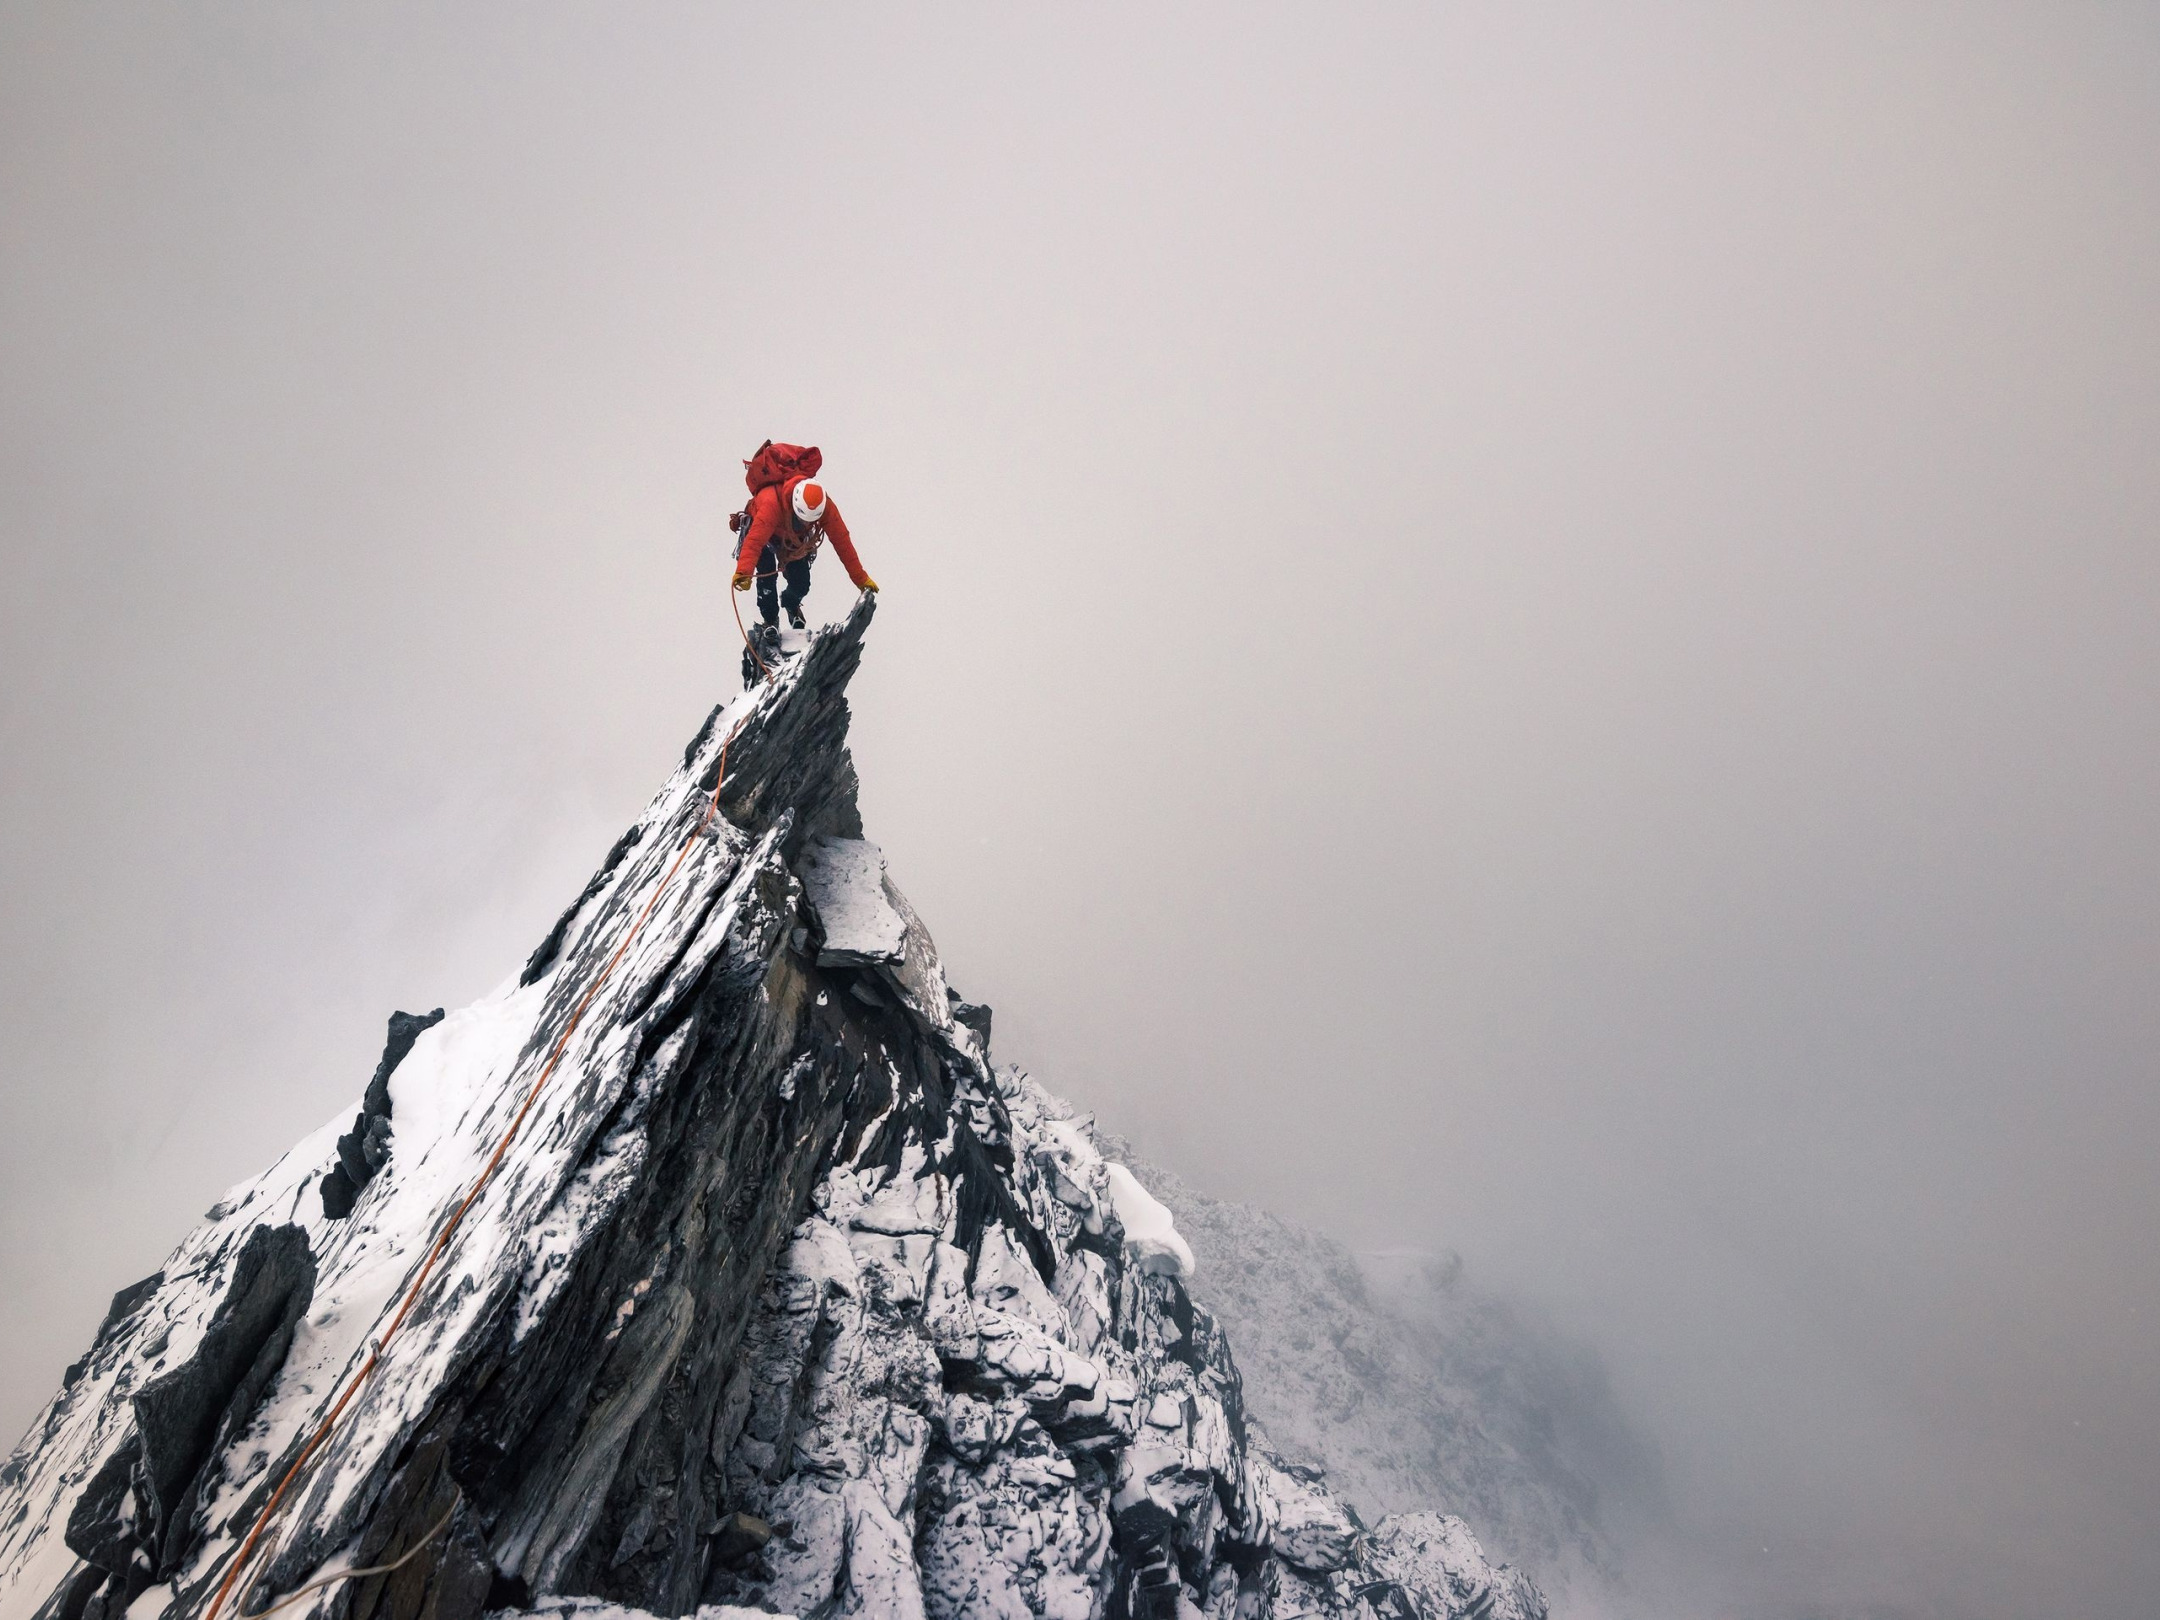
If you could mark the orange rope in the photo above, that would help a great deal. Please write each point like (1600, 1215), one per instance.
(391, 1568)
(763, 672)
(323, 1430)
(734, 602)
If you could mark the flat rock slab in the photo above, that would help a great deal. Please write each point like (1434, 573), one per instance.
(845, 881)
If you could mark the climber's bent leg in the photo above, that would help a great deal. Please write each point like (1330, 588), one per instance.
(798, 587)
(768, 603)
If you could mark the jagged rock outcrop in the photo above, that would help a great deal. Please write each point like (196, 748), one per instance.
(365, 1148)
(783, 1298)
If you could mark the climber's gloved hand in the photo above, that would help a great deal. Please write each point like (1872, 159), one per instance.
(742, 582)
(868, 584)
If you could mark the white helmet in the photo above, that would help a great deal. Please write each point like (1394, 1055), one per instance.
(809, 502)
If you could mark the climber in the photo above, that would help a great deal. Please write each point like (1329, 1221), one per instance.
(789, 516)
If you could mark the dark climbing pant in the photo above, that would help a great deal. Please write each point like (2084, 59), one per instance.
(770, 598)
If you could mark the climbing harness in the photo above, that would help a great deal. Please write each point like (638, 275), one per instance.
(321, 1436)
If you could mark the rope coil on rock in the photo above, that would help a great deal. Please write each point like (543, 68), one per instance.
(321, 1435)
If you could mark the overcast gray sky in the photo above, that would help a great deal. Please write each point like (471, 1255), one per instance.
(1519, 628)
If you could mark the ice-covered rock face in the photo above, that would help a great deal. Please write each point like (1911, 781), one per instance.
(784, 1300)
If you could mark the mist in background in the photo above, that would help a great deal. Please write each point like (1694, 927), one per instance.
(1520, 629)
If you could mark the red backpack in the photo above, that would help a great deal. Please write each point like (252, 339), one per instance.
(775, 464)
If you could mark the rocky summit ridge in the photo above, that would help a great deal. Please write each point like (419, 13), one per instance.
(784, 1299)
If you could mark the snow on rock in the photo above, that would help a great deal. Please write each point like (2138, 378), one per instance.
(1151, 1236)
(365, 1148)
(574, 1608)
(1436, 1555)
(1413, 1386)
(845, 881)
(783, 1300)
(1313, 1530)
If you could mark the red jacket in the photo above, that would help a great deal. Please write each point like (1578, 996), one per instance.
(772, 520)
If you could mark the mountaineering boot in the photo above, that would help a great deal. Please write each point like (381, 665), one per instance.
(795, 617)
(763, 649)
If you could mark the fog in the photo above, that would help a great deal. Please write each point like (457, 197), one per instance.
(1519, 629)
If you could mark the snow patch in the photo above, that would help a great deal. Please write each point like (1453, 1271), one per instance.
(453, 1064)
(845, 880)
(576, 1608)
(1151, 1236)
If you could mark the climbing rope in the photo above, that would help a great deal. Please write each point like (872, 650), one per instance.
(735, 602)
(316, 1441)
(749, 644)
(391, 1568)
